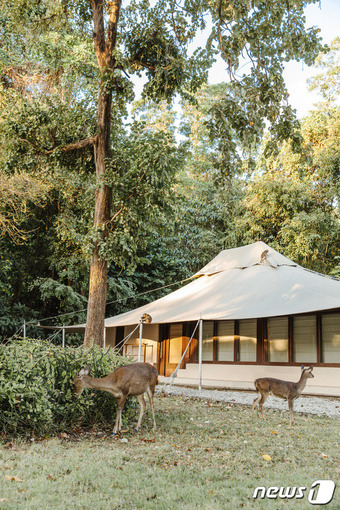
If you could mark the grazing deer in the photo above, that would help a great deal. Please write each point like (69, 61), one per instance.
(282, 389)
(129, 380)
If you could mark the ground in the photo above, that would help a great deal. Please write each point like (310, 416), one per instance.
(202, 455)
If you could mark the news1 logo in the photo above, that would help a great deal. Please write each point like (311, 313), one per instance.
(320, 493)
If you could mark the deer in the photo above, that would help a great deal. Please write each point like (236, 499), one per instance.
(129, 380)
(282, 389)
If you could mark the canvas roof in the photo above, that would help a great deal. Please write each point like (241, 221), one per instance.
(241, 283)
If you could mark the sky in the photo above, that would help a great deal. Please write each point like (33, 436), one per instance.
(324, 15)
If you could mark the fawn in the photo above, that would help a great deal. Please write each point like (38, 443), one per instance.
(283, 389)
(129, 380)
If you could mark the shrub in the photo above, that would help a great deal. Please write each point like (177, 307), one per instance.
(36, 387)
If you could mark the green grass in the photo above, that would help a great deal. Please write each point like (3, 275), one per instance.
(207, 456)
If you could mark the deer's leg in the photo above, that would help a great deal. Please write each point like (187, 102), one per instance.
(256, 401)
(142, 404)
(290, 407)
(150, 395)
(120, 405)
(262, 401)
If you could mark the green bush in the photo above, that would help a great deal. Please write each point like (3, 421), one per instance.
(36, 388)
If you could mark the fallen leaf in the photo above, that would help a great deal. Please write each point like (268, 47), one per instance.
(13, 478)
(149, 440)
(63, 435)
(273, 432)
(208, 449)
(324, 456)
(267, 457)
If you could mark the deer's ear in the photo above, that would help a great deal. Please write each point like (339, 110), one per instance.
(311, 368)
(85, 371)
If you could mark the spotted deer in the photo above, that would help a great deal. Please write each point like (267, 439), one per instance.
(126, 381)
(282, 389)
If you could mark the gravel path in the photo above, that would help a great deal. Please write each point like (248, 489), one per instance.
(321, 406)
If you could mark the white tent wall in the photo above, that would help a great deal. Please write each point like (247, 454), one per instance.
(241, 374)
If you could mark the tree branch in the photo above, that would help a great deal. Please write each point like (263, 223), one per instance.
(112, 29)
(81, 144)
(104, 46)
(99, 32)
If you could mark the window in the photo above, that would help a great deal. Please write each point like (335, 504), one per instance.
(175, 348)
(133, 351)
(278, 339)
(248, 335)
(304, 344)
(225, 341)
(331, 338)
(208, 341)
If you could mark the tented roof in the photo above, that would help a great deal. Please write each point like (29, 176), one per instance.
(242, 283)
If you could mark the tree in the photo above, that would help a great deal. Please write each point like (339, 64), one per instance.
(327, 82)
(292, 202)
(153, 41)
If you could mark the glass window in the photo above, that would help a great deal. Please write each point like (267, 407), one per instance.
(278, 339)
(133, 351)
(175, 349)
(208, 338)
(225, 341)
(248, 338)
(331, 338)
(304, 342)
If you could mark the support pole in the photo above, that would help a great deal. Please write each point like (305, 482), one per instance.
(200, 352)
(24, 330)
(63, 337)
(104, 339)
(140, 341)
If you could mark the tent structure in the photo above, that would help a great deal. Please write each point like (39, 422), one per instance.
(253, 309)
(241, 283)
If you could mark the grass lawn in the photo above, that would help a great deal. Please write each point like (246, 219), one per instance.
(203, 455)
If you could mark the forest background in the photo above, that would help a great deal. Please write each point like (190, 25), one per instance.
(187, 182)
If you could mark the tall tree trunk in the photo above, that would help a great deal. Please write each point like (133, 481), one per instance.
(94, 332)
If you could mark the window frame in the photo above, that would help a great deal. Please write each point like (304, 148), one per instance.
(262, 343)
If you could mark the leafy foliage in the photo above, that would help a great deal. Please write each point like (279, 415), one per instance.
(36, 387)
(327, 82)
(174, 204)
(295, 210)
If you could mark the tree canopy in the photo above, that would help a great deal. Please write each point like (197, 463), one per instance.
(116, 199)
